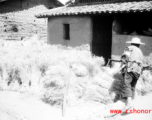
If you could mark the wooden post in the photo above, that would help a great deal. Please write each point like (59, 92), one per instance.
(66, 93)
(108, 63)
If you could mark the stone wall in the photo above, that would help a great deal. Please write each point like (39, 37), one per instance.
(18, 21)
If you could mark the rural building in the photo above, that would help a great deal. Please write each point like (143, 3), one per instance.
(18, 21)
(105, 25)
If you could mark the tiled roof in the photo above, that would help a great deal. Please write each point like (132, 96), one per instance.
(98, 9)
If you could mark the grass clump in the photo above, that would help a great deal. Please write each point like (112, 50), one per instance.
(36, 67)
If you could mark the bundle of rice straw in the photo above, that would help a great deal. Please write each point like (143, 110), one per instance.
(117, 83)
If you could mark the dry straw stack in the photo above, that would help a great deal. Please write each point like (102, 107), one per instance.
(36, 67)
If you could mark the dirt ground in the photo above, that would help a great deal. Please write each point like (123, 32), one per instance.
(140, 103)
(21, 106)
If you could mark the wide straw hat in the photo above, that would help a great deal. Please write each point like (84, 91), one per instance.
(135, 40)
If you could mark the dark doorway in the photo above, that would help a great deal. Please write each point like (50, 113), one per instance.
(137, 23)
(102, 36)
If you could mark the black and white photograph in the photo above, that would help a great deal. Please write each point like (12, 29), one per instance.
(75, 59)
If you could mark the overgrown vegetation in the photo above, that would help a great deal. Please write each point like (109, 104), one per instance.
(36, 67)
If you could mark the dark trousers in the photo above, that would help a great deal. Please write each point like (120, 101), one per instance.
(129, 84)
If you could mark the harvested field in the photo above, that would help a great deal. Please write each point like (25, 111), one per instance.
(36, 67)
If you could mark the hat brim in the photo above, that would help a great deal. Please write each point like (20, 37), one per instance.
(135, 42)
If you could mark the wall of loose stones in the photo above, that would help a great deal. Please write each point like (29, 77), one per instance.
(18, 21)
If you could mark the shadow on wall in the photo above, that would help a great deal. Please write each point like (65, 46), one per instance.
(119, 44)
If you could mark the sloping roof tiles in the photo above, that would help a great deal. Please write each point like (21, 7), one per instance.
(98, 9)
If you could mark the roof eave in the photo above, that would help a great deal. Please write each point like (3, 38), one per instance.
(98, 9)
(94, 13)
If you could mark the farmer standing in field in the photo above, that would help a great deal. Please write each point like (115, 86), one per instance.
(133, 58)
